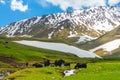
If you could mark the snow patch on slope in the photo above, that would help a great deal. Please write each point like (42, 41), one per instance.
(59, 47)
(50, 35)
(105, 26)
(29, 36)
(85, 38)
(72, 34)
(110, 46)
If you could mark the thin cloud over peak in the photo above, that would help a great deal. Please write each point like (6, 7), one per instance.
(18, 5)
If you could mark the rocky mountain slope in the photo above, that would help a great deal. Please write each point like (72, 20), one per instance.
(106, 45)
(86, 25)
(109, 36)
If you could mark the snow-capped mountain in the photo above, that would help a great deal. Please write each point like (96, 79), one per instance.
(92, 22)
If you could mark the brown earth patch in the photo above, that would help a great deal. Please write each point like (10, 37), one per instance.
(9, 60)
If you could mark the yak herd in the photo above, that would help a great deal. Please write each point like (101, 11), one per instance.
(59, 63)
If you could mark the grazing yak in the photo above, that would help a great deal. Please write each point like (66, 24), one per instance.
(80, 65)
(67, 64)
(37, 65)
(46, 62)
(59, 62)
(26, 64)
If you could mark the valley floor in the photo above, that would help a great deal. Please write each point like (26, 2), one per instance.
(95, 71)
(12, 54)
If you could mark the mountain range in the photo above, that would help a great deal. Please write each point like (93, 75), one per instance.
(83, 25)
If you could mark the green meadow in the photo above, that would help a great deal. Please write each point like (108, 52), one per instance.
(27, 53)
(95, 71)
(98, 69)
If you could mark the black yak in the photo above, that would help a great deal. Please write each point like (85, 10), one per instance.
(80, 65)
(67, 64)
(46, 62)
(59, 62)
(37, 65)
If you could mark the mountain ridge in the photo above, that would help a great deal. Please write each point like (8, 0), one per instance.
(92, 22)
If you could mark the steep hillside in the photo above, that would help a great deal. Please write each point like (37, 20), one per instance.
(12, 53)
(106, 45)
(115, 54)
(109, 36)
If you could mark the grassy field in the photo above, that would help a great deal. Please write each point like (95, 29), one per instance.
(12, 54)
(95, 71)
(27, 53)
(4, 65)
(101, 69)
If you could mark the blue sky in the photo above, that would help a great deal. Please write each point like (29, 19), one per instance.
(15, 10)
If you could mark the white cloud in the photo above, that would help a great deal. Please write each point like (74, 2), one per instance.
(18, 5)
(113, 2)
(43, 3)
(2, 1)
(76, 4)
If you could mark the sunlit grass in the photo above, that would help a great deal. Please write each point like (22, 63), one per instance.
(95, 71)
